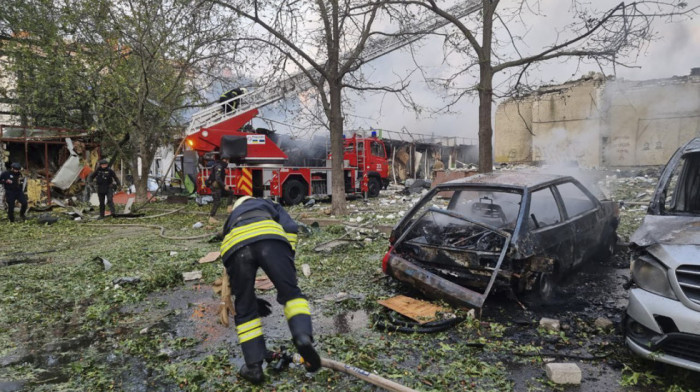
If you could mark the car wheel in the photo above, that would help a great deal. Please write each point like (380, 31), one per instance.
(293, 192)
(546, 287)
(373, 187)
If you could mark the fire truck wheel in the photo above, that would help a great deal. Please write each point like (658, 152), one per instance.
(373, 186)
(293, 192)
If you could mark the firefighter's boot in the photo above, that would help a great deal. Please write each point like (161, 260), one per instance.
(253, 373)
(304, 344)
(298, 317)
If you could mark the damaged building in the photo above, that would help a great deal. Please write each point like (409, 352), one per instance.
(415, 155)
(53, 159)
(600, 122)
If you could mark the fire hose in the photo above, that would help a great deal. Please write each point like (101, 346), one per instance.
(284, 358)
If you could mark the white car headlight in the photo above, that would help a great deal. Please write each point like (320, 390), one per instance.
(651, 276)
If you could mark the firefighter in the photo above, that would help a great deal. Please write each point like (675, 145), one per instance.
(219, 189)
(231, 106)
(260, 233)
(12, 181)
(106, 179)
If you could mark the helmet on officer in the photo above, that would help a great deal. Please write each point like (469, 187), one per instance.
(226, 157)
(103, 162)
(244, 90)
(16, 166)
(240, 201)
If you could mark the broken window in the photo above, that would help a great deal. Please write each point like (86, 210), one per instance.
(683, 192)
(543, 209)
(575, 200)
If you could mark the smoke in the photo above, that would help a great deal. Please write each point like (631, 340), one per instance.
(303, 152)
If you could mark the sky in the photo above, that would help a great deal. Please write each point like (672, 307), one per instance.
(674, 52)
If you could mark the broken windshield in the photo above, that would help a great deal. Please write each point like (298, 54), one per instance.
(490, 207)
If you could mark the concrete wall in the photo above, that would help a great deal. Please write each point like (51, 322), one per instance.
(513, 141)
(648, 121)
(600, 123)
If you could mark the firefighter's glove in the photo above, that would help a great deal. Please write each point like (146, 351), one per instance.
(264, 308)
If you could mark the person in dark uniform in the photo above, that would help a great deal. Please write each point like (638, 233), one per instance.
(260, 234)
(231, 106)
(106, 179)
(219, 189)
(12, 181)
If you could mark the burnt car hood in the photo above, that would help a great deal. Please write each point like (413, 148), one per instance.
(667, 230)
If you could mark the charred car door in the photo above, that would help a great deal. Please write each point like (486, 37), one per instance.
(584, 216)
(553, 237)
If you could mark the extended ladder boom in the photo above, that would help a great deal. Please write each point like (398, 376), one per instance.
(299, 81)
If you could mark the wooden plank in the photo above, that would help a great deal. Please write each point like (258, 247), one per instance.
(209, 257)
(420, 311)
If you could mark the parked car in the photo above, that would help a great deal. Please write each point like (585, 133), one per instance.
(663, 316)
(507, 230)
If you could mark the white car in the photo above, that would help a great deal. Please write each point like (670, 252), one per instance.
(663, 316)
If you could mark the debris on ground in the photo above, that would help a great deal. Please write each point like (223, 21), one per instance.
(192, 275)
(209, 257)
(330, 246)
(603, 323)
(420, 311)
(550, 324)
(105, 263)
(563, 373)
(306, 270)
(263, 283)
(198, 225)
(341, 297)
(126, 280)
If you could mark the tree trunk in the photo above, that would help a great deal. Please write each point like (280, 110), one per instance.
(486, 91)
(141, 179)
(337, 150)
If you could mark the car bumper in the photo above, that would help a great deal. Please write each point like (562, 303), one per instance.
(663, 329)
(433, 285)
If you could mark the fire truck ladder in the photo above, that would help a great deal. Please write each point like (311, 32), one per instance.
(299, 81)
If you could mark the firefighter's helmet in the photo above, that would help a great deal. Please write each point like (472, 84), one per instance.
(240, 201)
(16, 166)
(103, 162)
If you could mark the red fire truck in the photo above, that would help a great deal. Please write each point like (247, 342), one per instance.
(257, 165)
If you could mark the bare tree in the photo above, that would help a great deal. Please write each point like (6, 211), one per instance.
(608, 38)
(327, 40)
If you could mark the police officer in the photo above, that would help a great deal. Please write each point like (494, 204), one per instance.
(231, 106)
(105, 178)
(260, 233)
(219, 189)
(12, 181)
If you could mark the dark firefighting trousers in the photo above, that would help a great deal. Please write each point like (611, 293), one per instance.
(217, 194)
(109, 197)
(11, 198)
(276, 259)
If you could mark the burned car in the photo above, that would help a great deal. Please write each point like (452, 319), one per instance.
(663, 315)
(510, 230)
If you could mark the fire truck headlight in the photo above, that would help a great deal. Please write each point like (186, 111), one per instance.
(205, 133)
